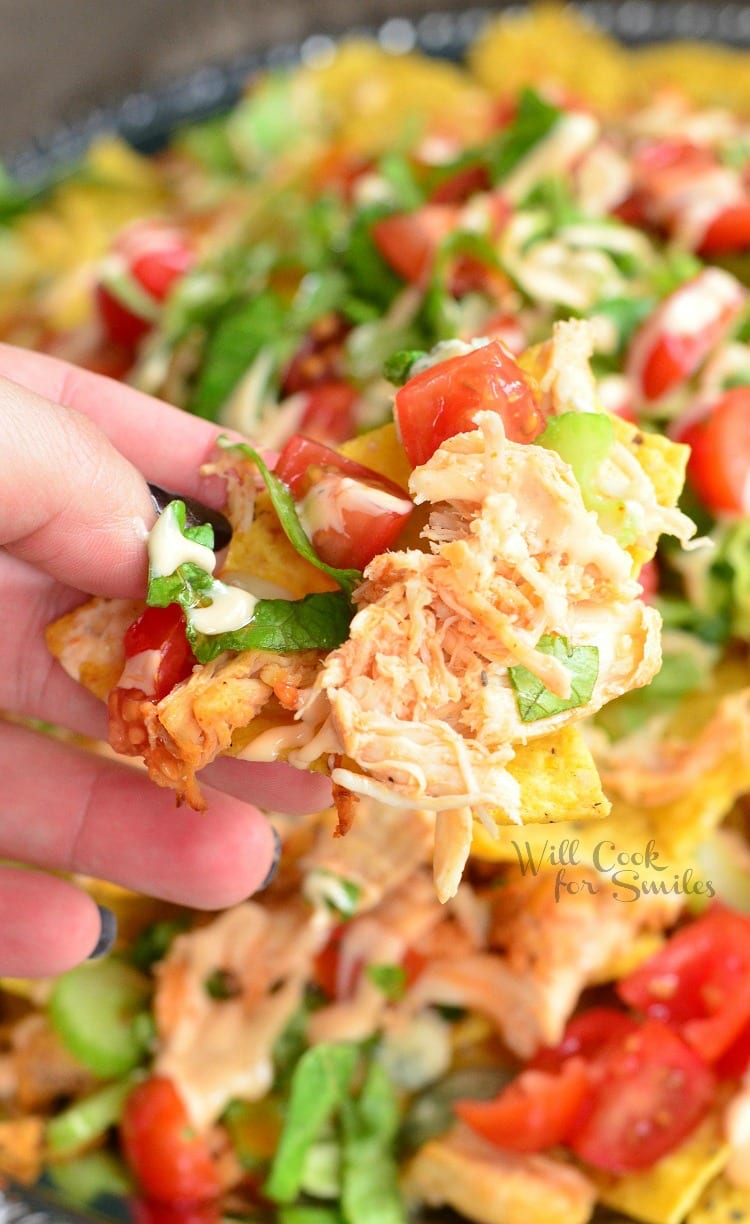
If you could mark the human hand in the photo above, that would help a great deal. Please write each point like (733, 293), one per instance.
(77, 450)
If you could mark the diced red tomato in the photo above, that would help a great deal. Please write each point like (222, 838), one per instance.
(537, 1110)
(329, 415)
(162, 629)
(585, 1035)
(678, 337)
(121, 326)
(409, 241)
(719, 463)
(698, 982)
(327, 969)
(735, 1060)
(728, 232)
(444, 400)
(653, 1091)
(461, 185)
(171, 1161)
(150, 1211)
(352, 512)
(153, 256)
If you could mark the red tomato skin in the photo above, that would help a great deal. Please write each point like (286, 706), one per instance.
(162, 629)
(652, 1091)
(150, 1211)
(663, 354)
(698, 982)
(329, 413)
(443, 400)
(728, 232)
(536, 1111)
(350, 526)
(171, 1162)
(301, 453)
(719, 464)
(157, 271)
(409, 241)
(121, 326)
(585, 1035)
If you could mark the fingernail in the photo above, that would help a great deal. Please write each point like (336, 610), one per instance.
(195, 514)
(107, 934)
(274, 862)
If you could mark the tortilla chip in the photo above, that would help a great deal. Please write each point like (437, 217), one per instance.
(558, 780)
(664, 1193)
(721, 1203)
(662, 460)
(21, 1146)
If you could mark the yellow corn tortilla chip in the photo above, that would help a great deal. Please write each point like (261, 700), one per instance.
(558, 779)
(721, 1203)
(664, 1193)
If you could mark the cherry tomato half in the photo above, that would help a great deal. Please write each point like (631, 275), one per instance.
(170, 1159)
(653, 1091)
(444, 399)
(350, 512)
(537, 1110)
(677, 338)
(719, 463)
(162, 629)
(698, 982)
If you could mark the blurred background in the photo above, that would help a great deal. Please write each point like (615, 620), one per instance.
(59, 59)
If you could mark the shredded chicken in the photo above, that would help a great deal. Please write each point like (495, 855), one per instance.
(219, 1049)
(546, 945)
(195, 722)
(420, 693)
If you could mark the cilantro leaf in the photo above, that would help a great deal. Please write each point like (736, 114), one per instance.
(533, 698)
(316, 622)
(389, 979)
(283, 504)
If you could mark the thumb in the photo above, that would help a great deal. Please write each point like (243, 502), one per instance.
(72, 505)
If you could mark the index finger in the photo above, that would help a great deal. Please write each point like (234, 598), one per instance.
(166, 444)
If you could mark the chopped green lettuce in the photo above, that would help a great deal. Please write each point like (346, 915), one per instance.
(320, 1085)
(369, 1173)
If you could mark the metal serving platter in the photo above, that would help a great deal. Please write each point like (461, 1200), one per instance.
(146, 118)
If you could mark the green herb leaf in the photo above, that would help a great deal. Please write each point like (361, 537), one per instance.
(389, 979)
(397, 171)
(306, 1214)
(371, 276)
(369, 1173)
(283, 504)
(222, 984)
(232, 347)
(534, 119)
(626, 314)
(334, 891)
(153, 943)
(397, 368)
(316, 622)
(320, 1085)
(533, 698)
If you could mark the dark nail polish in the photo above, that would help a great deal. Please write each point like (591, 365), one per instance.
(107, 935)
(274, 862)
(195, 514)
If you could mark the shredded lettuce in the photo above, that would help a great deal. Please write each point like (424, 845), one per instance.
(320, 1085)
(682, 671)
(728, 579)
(369, 1173)
(533, 698)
